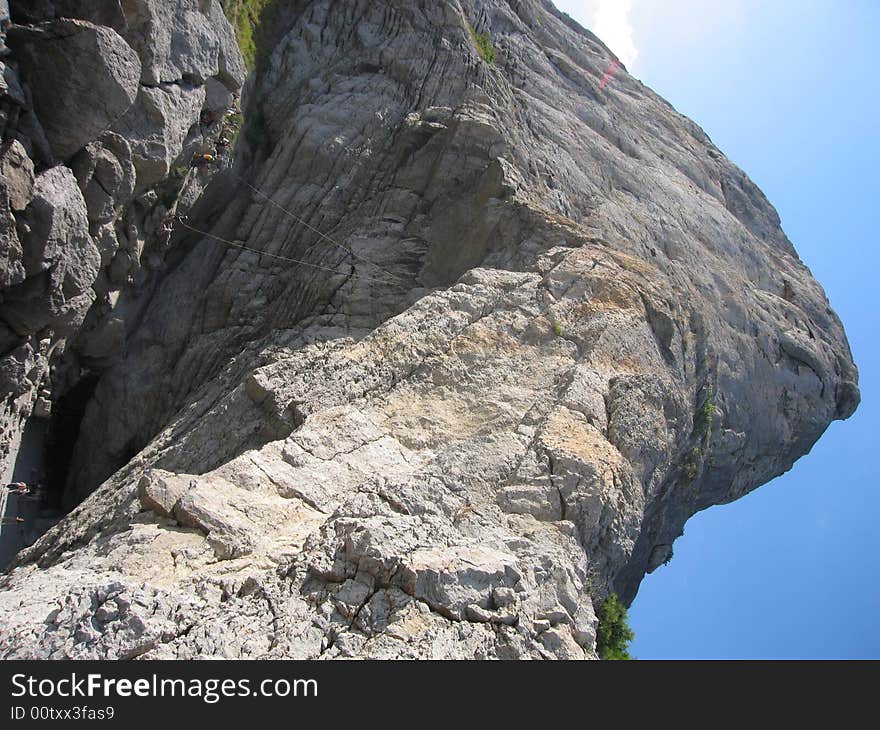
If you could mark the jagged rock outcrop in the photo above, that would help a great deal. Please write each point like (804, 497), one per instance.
(82, 78)
(452, 352)
(102, 107)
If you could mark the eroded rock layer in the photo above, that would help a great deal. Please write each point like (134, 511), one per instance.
(452, 352)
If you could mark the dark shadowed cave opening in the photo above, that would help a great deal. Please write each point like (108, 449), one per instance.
(64, 428)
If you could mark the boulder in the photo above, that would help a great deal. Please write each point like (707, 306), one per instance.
(17, 170)
(183, 40)
(106, 175)
(104, 12)
(228, 531)
(83, 77)
(160, 491)
(162, 127)
(58, 254)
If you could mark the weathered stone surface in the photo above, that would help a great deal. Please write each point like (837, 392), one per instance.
(83, 77)
(106, 175)
(158, 126)
(23, 368)
(544, 322)
(10, 86)
(17, 170)
(105, 12)
(73, 72)
(11, 267)
(160, 491)
(184, 40)
(59, 258)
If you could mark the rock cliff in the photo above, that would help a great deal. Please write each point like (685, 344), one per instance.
(102, 108)
(470, 328)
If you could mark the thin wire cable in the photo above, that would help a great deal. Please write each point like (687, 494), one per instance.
(323, 235)
(241, 246)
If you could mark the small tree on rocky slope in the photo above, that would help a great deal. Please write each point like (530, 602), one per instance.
(614, 634)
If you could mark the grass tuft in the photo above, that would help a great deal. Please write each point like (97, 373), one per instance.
(253, 23)
(484, 46)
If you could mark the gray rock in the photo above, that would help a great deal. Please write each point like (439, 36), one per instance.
(31, 11)
(17, 170)
(89, 328)
(29, 132)
(10, 86)
(218, 98)
(162, 129)
(227, 532)
(105, 340)
(106, 175)
(542, 325)
(105, 12)
(160, 491)
(183, 40)
(11, 266)
(83, 78)
(59, 258)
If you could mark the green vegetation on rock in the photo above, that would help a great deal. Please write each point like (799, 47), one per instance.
(614, 634)
(691, 464)
(483, 45)
(251, 20)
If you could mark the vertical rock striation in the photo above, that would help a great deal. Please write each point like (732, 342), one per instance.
(453, 351)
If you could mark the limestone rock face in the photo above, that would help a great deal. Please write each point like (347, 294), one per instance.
(61, 261)
(100, 119)
(18, 173)
(188, 39)
(158, 126)
(485, 337)
(82, 78)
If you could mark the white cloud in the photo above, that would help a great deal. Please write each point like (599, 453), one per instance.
(612, 23)
(611, 20)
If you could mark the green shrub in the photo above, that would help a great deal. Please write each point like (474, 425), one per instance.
(253, 22)
(614, 634)
(690, 465)
(483, 45)
(704, 417)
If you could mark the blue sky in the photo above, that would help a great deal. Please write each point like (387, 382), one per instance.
(789, 90)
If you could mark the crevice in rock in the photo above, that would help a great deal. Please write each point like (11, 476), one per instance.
(61, 438)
